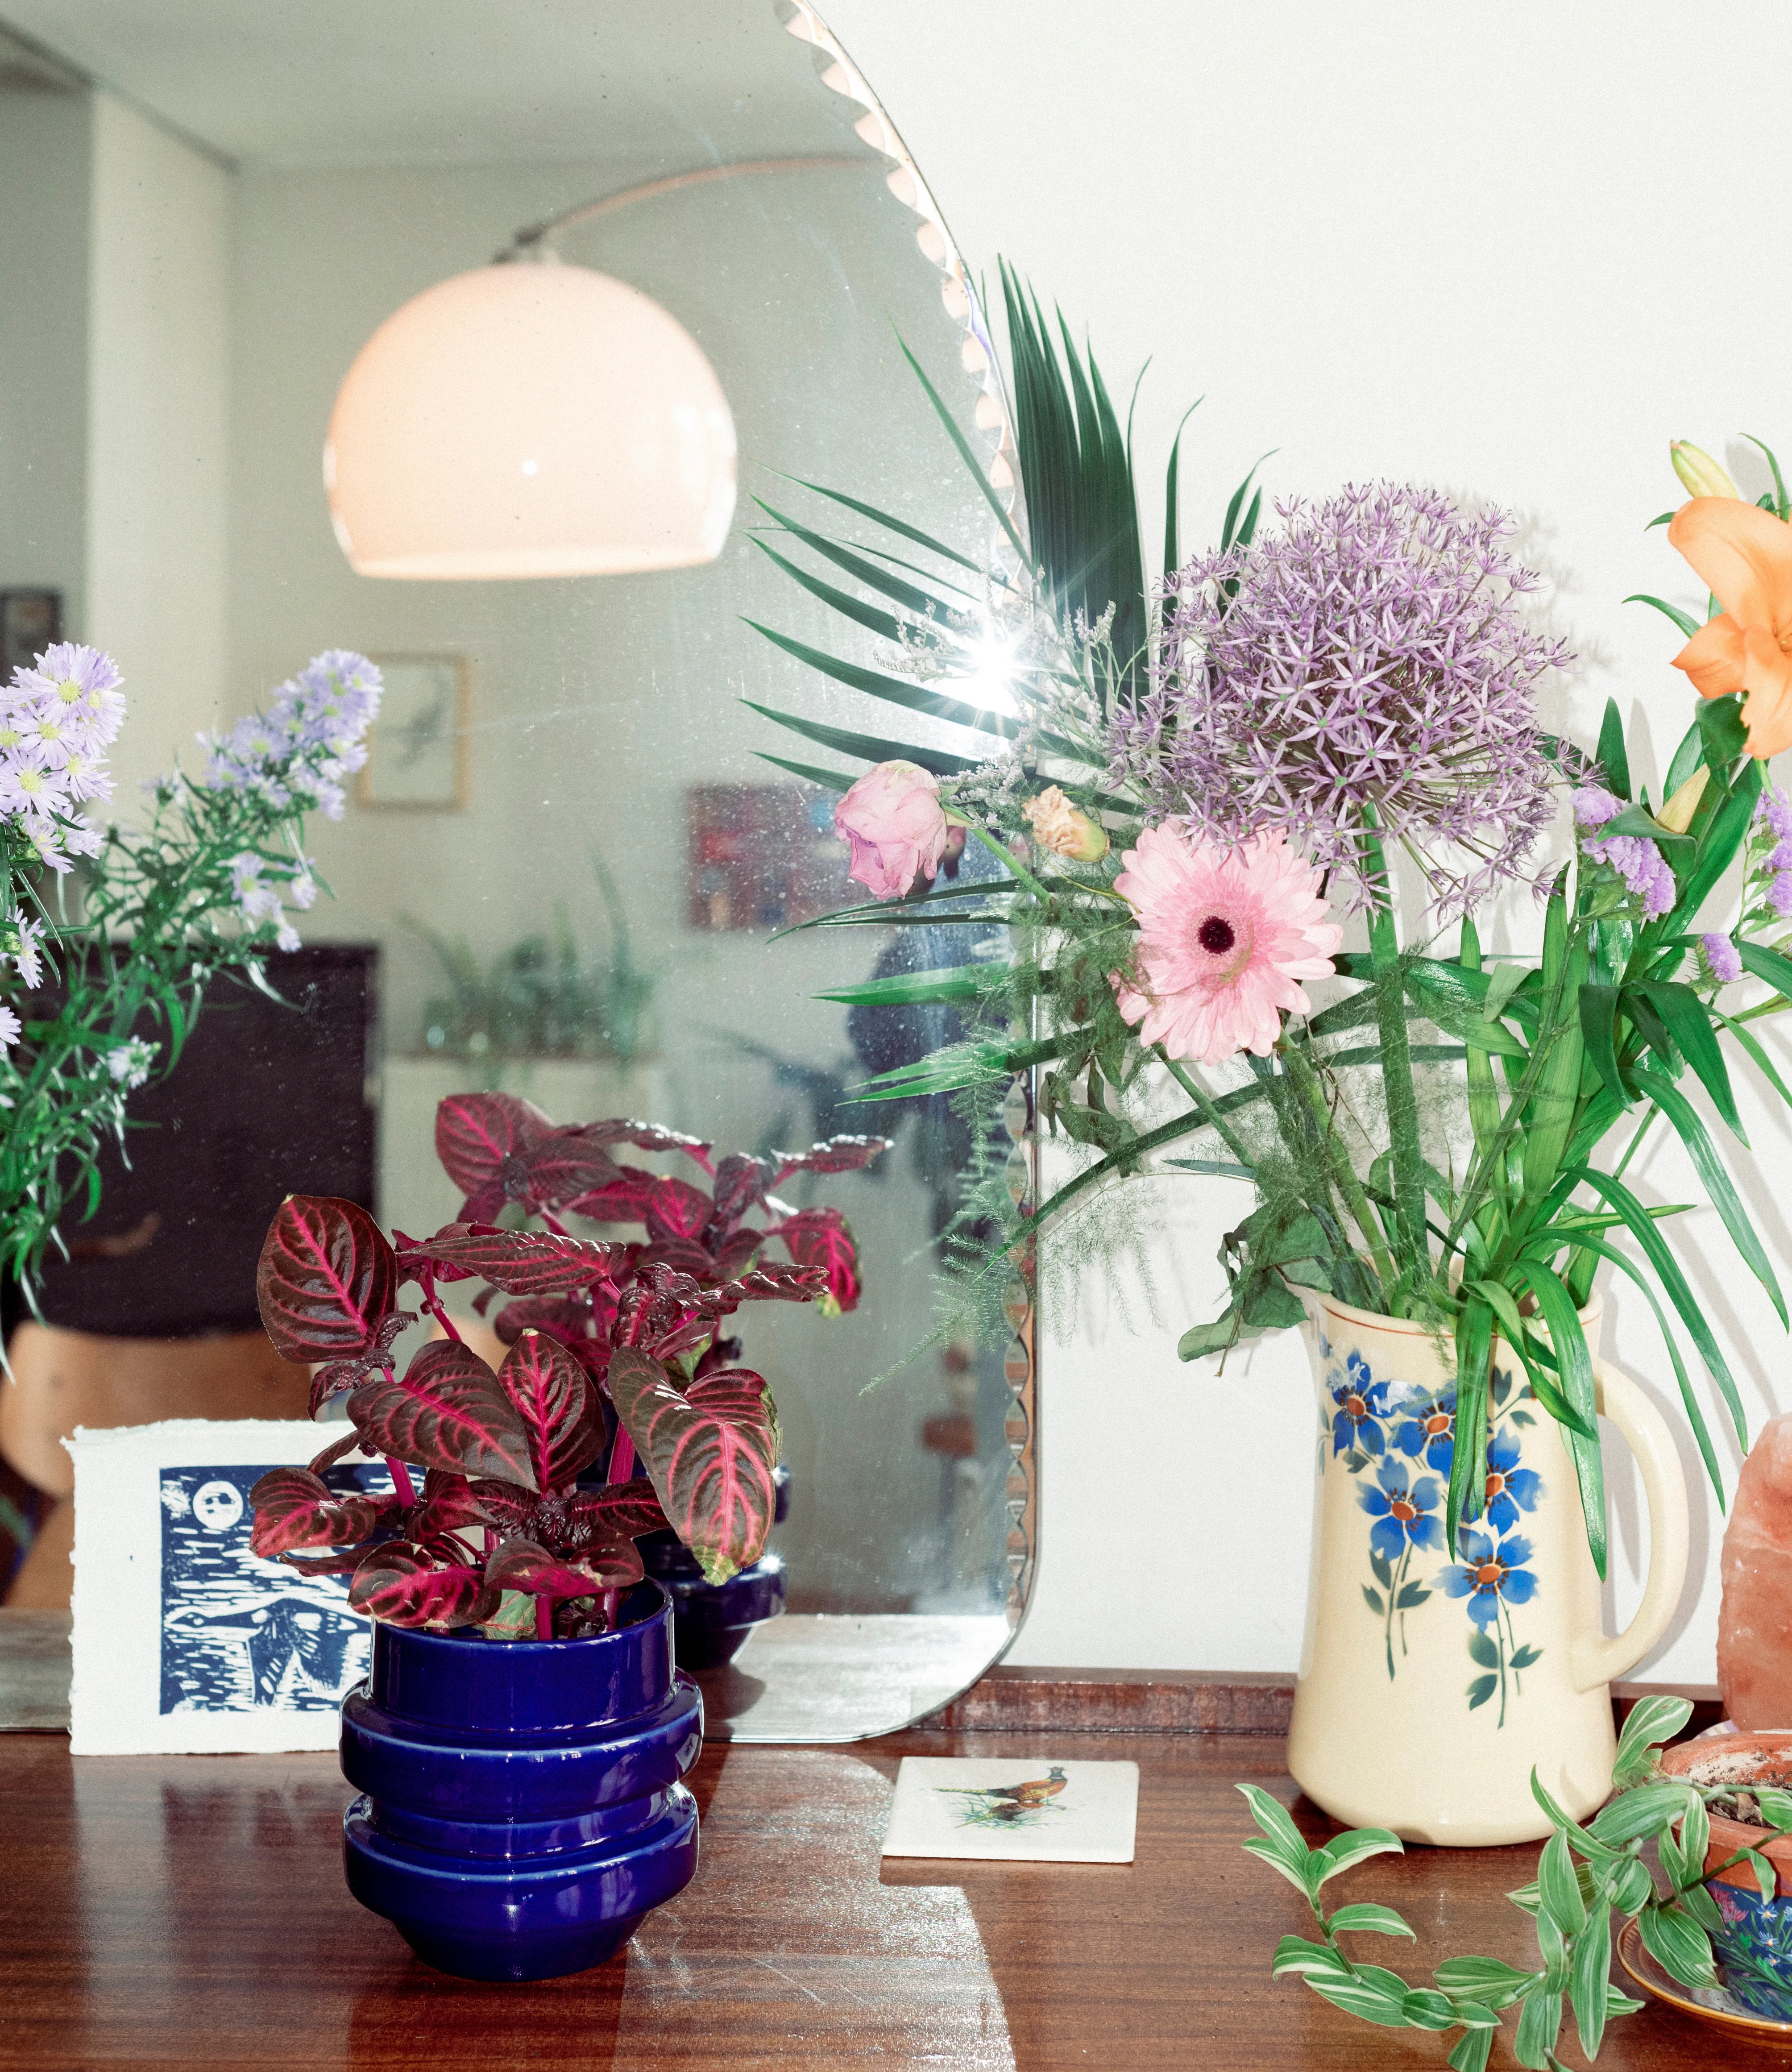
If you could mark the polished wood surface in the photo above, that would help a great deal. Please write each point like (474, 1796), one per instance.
(189, 1912)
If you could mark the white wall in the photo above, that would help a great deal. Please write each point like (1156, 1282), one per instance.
(44, 147)
(1507, 250)
(157, 370)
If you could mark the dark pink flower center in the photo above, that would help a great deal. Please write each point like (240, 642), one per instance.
(1216, 935)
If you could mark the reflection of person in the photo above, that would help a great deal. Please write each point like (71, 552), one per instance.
(297, 1647)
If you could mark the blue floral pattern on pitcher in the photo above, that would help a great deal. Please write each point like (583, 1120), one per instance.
(1407, 1435)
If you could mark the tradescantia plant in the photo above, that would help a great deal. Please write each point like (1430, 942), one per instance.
(1591, 1878)
(615, 1357)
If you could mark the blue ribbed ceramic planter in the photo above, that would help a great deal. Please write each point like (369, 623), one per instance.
(521, 1806)
(712, 1620)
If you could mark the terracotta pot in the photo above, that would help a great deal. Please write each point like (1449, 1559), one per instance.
(1753, 1943)
(1432, 1681)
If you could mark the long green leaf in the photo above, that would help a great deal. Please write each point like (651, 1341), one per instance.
(1724, 835)
(890, 524)
(867, 747)
(1711, 1169)
(1667, 1270)
(894, 690)
(1474, 1345)
(966, 454)
(924, 603)
(1746, 1038)
(1598, 1020)
(1568, 1342)
(1772, 965)
(884, 624)
(1614, 758)
(1689, 1024)
(829, 780)
(923, 988)
(1687, 626)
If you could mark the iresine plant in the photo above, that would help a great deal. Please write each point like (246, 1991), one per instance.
(111, 935)
(1187, 822)
(1591, 1879)
(619, 1407)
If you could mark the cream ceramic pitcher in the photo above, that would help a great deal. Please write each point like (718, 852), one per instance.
(1432, 1682)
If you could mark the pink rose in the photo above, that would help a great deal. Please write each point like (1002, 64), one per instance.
(894, 820)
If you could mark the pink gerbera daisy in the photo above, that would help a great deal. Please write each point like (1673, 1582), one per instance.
(1225, 936)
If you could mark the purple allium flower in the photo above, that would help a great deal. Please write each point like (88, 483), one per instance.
(1718, 954)
(1638, 862)
(1371, 655)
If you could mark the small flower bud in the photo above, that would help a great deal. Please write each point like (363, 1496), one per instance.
(1676, 816)
(1699, 474)
(1060, 827)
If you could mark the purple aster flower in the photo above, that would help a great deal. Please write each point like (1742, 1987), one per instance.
(11, 1028)
(1372, 655)
(81, 684)
(1718, 954)
(28, 956)
(293, 757)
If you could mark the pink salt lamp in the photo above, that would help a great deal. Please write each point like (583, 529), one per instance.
(1754, 1628)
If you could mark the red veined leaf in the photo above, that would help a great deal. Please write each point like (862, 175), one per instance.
(449, 1506)
(742, 1184)
(400, 1584)
(476, 1135)
(327, 1280)
(838, 1154)
(623, 1200)
(625, 1509)
(503, 1505)
(678, 1209)
(822, 1237)
(553, 1314)
(333, 1452)
(683, 1255)
(646, 1137)
(344, 1561)
(292, 1507)
(735, 1254)
(710, 1452)
(447, 1411)
(522, 1262)
(520, 1564)
(337, 1374)
(564, 1166)
(557, 1405)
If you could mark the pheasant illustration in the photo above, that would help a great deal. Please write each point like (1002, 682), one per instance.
(1009, 1805)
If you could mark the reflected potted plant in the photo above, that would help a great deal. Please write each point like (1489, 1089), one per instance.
(521, 1739)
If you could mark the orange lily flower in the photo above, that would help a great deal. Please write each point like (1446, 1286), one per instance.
(1744, 556)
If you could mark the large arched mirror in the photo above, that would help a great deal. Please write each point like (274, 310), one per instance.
(566, 850)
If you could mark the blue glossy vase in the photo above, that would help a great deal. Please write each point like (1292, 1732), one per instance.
(521, 1806)
(711, 1621)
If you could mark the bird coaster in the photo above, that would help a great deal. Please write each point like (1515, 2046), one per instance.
(1018, 1809)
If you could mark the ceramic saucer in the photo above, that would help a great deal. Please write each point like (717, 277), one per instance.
(1710, 2004)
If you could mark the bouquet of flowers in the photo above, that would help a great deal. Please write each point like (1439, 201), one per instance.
(1193, 788)
(109, 978)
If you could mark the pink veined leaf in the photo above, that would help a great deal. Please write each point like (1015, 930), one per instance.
(334, 1451)
(624, 1200)
(447, 1411)
(342, 1561)
(331, 1378)
(449, 1506)
(646, 1137)
(710, 1452)
(521, 1565)
(735, 1255)
(683, 1255)
(294, 1508)
(742, 1183)
(558, 1317)
(838, 1154)
(626, 1509)
(502, 1504)
(522, 1262)
(678, 1210)
(401, 1584)
(476, 1133)
(558, 1406)
(327, 1279)
(822, 1237)
(563, 1166)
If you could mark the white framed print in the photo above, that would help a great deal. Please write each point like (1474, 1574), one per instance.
(1013, 1809)
(186, 1641)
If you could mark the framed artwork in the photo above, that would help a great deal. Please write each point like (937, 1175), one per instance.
(760, 857)
(30, 620)
(186, 1641)
(416, 751)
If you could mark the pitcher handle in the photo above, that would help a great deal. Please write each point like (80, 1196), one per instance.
(1599, 1657)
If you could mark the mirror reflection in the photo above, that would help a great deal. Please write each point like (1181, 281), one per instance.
(562, 871)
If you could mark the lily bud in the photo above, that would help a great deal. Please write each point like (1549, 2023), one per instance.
(1060, 827)
(1699, 474)
(1676, 816)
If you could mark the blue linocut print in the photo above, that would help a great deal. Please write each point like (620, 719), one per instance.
(239, 1632)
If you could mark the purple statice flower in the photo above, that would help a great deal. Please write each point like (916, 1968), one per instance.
(1372, 655)
(1775, 809)
(1638, 861)
(1779, 894)
(1718, 954)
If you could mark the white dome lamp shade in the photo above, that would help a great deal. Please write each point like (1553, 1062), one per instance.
(531, 419)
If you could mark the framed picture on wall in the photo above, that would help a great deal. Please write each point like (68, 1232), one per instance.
(30, 620)
(416, 752)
